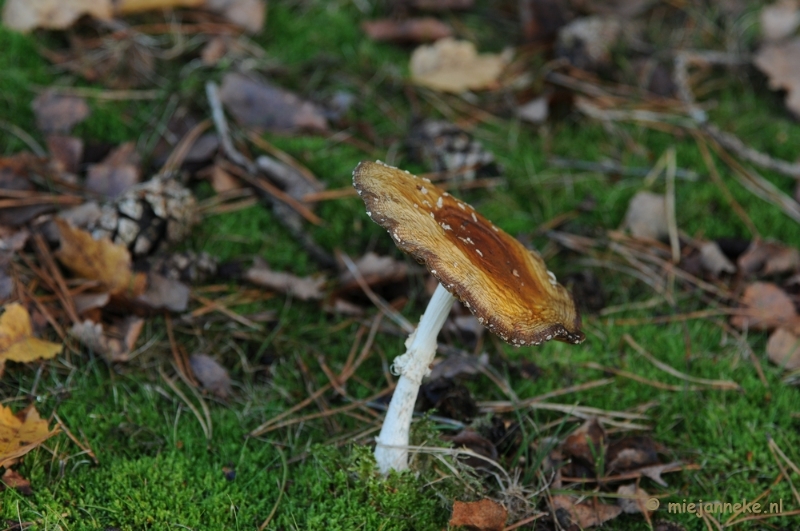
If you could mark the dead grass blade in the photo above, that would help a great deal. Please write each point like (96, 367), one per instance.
(641, 379)
(200, 418)
(722, 385)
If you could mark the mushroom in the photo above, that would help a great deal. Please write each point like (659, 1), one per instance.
(505, 285)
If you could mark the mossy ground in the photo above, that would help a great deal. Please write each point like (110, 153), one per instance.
(156, 468)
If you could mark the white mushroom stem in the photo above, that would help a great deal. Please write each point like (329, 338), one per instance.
(391, 452)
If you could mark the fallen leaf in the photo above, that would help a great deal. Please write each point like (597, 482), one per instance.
(114, 62)
(15, 174)
(304, 288)
(588, 513)
(211, 374)
(449, 65)
(472, 440)
(542, 19)
(21, 433)
(118, 172)
(769, 258)
(265, 106)
(586, 42)
(449, 398)
(438, 5)
(59, 113)
(630, 453)
(413, 30)
(375, 270)
(647, 216)
(26, 15)
(115, 343)
(483, 515)
(632, 499)
(85, 302)
(128, 7)
(654, 472)
(16, 338)
(165, 293)
(767, 305)
(66, 151)
(247, 14)
(13, 480)
(535, 111)
(783, 348)
(100, 260)
(714, 260)
(458, 364)
(587, 442)
(779, 20)
(781, 63)
(290, 179)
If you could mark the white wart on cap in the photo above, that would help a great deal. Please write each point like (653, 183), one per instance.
(506, 286)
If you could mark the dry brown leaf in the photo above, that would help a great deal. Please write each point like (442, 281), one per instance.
(413, 30)
(265, 106)
(630, 453)
(781, 63)
(222, 181)
(587, 442)
(632, 499)
(768, 307)
(714, 260)
(769, 258)
(115, 343)
(117, 173)
(587, 41)
(374, 269)
(65, 151)
(127, 7)
(647, 216)
(13, 480)
(16, 338)
(783, 348)
(780, 20)
(99, 260)
(449, 65)
(165, 293)
(247, 14)
(589, 513)
(483, 515)
(211, 374)
(59, 113)
(304, 288)
(26, 15)
(21, 433)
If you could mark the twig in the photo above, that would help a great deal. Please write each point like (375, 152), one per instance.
(641, 379)
(384, 306)
(281, 488)
(715, 384)
(608, 166)
(200, 418)
(734, 144)
(285, 158)
(225, 311)
(669, 201)
(84, 447)
(267, 187)
(26, 139)
(712, 171)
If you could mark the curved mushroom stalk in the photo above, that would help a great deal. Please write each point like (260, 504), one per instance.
(391, 452)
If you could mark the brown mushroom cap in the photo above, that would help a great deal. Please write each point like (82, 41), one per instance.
(506, 286)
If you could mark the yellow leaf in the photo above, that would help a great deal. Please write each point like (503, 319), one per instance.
(16, 338)
(21, 433)
(100, 260)
(449, 65)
